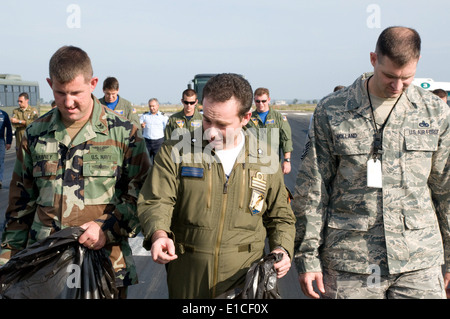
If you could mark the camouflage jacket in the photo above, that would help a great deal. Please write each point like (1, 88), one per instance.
(274, 119)
(59, 183)
(181, 124)
(341, 223)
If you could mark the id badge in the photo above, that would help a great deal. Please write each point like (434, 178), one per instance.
(374, 175)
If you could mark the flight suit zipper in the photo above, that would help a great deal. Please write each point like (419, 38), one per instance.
(219, 235)
(208, 204)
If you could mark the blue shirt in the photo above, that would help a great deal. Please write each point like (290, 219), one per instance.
(154, 125)
(263, 116)
(5, 123)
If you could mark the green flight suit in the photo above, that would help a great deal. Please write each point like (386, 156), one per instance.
(125, 109)
(266, 131)
(219, 226)
(28, 115)
(181, 124)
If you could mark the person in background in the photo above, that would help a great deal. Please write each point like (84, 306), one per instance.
(442, 94)
(22, 116)
(186, 120)
(153, 124)
(115, 102)
(265, 120)
(5, 140)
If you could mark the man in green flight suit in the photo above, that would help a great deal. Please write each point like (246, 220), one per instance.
(117, 103)
(186, 120)
(208, 205)
(23, 116)
(272, 127)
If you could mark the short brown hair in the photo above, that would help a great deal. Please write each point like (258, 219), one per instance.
(223, 87)
(189, 92)
(399, 44)
(68, 62)
(111, 83)
(262, 91)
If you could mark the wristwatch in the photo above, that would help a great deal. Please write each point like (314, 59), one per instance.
(287, 159)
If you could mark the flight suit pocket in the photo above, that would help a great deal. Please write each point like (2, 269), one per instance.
(100, 177)
(45, 168)
(252, 200)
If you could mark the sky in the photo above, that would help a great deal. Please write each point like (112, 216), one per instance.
(297, 49)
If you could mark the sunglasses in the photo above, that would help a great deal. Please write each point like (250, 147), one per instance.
(260, 101)
(189, 102)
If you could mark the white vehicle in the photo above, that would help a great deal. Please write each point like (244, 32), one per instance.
(431, 85)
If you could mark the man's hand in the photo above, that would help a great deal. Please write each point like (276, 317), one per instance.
(446, 282)
(282, 267)
(163, 248)
(306, 283)
(93, 236)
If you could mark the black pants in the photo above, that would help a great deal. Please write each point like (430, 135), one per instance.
(153, 147)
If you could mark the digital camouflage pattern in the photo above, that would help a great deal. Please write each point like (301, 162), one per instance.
(59, 183)
(180, 124)
(344, 225)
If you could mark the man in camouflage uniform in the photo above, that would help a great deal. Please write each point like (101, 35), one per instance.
(207, 206)
(186, 120)
(80, 165)
(22, 117)
(118, 104)
(269, 123)
(373, 191)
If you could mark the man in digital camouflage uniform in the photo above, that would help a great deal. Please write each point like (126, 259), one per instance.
(207, 206)
(23, 116)
(186, 120)
(372, 195)
(80, 165)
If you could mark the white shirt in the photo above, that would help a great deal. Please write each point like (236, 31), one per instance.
(154, 125)
(228, 157)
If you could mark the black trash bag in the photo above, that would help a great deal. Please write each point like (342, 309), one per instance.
(58, 267)
(261, 281)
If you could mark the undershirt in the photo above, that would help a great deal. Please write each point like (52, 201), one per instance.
(73, 127)
(228, 157)
(381, 108)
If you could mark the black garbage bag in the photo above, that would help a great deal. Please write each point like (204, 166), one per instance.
(58, 267)
(261, 281)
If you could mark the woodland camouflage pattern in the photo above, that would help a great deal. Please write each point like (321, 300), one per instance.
(58, 183)
(344, 225)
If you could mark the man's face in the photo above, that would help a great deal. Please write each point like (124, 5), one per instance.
(189, 103)
(221, 123)
(153, 106)
(23, 103)
(262, 103)
(110, 95)
(390, 80)
(73, 99)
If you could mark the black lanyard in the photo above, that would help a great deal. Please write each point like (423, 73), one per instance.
(378, 142)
